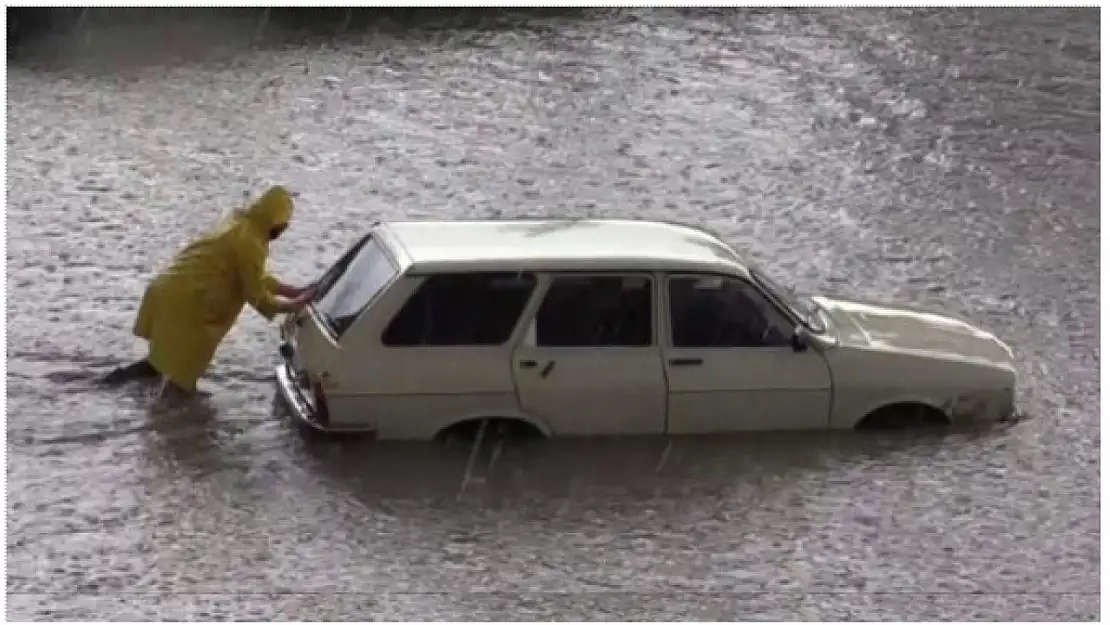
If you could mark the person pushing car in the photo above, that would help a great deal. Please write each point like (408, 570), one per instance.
(188, 309)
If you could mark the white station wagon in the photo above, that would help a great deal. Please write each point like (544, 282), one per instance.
(611, 327)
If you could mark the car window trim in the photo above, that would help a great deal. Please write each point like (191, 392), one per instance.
(755, 273)
(319, 318)
(752, 283)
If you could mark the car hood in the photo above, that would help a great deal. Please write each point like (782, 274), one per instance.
(888, 328)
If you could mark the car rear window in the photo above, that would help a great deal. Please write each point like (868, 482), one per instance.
(461, 309)
(352, 284)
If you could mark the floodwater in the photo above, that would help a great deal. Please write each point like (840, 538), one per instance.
(947, 158)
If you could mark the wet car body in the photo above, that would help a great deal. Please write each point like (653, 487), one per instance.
(613, 327)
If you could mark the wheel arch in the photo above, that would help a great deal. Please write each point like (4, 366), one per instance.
(934, 410)
(464, 421)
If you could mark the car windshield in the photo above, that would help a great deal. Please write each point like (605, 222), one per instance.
(803, 307)
(352, 283)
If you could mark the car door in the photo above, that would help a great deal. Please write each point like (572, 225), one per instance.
(731, 364)
(589, 363)
(435, 351)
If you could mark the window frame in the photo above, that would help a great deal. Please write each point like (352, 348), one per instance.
(333, 274)
(423, 279)
(791, 321)
(549, 278)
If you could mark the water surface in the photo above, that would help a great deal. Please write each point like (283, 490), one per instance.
(945, 158)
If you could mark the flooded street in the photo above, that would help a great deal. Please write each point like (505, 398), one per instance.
(948, 159)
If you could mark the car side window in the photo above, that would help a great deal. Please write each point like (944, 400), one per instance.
(715, 311)
(596, 311)
(461, 309)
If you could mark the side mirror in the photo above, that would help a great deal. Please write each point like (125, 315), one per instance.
(799, 340)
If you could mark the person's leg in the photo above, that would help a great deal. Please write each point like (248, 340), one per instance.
(143, 328)
(173, 393)
(139, 370)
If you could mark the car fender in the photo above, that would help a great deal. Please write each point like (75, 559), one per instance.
(904, 398)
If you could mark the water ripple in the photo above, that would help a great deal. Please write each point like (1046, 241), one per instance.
(947, 158)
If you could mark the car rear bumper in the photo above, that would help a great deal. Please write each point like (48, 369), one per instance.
(295, 400)
(302, 411)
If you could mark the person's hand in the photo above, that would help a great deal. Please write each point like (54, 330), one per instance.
(289, 291)
(296, 304)
(307, 292)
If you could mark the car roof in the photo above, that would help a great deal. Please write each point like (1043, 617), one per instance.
(560, 245)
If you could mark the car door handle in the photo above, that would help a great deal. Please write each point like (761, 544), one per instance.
(547, 369)
(685, 362)
(532, 364)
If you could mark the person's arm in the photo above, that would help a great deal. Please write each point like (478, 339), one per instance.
(277, 287)
(251, 266)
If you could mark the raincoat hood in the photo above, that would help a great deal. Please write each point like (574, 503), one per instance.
(273, 209)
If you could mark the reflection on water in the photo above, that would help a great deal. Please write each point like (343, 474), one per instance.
(634, 471)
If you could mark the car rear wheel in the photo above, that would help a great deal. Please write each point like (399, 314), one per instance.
(495, 428)
(904, 417)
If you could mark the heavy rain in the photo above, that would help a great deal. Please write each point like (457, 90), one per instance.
(947, 158)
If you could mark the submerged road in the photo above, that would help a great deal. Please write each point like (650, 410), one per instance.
(946, 158)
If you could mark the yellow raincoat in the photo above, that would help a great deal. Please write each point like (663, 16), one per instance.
(189, 307)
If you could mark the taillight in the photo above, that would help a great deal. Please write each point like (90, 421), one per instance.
(286, 351)
(321, 402)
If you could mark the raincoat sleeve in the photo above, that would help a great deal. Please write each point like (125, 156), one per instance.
(270, 282)
(251, 261)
